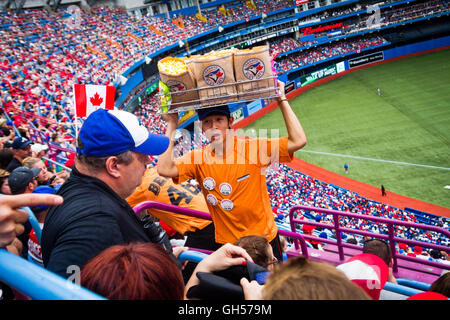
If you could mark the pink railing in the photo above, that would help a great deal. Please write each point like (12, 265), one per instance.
(338, 229)
(203, 215)
(391, 237)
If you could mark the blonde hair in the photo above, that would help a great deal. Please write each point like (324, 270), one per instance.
(302, 279)
(30, 161)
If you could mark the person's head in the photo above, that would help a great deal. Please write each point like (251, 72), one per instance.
(23, 180)
(136, 271)
(114, 147)
(367, 271)
(4, 185)
(41, 210)
(259, 248)
(435, 254)
(302, 279)
(31, 162)
(379, 248)
(442, 285)
(22, 148)
(215, 122)
(6, 155)
(40, 150)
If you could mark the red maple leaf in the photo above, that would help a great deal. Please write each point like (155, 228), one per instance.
(96, 100)
(219, 74)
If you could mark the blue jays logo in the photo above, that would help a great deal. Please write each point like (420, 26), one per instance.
(253, 68)
(176, 87)
(214, 75)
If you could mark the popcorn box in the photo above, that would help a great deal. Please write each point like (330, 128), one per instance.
(215, 77)
(177, 76)
(250, 65)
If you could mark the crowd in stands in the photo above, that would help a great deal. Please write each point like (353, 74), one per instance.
(288, 187)
(316, 54)
(147, 113)
(286, 44)
(42, 54)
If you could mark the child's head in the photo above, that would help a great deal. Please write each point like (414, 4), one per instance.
(259, 249)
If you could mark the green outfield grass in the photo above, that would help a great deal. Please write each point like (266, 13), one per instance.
(409, 122)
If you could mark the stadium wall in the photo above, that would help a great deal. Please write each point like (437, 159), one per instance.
(387, 56)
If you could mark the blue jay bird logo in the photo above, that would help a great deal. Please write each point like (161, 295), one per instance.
(176, 87)
(253, 68)
(214, 75)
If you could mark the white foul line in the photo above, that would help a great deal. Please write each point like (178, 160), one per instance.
(372, 159)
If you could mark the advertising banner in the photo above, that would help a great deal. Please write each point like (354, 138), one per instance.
(319, 74)
(289, 87)
(254, 106)
(356, 62)
(237, 115)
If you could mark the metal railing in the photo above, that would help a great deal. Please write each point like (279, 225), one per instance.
(390, 237)
(203, 215)
(217, 97)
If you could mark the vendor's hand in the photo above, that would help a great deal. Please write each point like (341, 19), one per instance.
(281, 91)
(226, 256)
(252, 290)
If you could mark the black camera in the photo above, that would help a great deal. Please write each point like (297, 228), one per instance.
(156, 233)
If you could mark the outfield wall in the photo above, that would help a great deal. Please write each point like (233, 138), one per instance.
(249, 114)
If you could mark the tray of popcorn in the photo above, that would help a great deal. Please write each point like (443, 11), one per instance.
(175, 74)
(215, 77)
(254, 72)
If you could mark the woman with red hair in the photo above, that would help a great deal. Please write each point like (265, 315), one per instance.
(136, 271)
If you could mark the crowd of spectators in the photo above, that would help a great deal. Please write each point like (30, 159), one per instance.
(313, 55)
(286, 44)
(42, 54)
(288, 187)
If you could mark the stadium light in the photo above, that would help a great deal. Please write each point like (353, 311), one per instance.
(220, 29)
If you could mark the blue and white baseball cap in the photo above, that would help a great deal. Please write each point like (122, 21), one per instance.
(111, 132)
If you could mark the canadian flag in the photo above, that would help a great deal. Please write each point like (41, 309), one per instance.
(89, 98)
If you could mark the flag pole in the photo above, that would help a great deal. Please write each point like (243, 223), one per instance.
(76, 116)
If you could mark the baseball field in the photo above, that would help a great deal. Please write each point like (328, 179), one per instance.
(398, 136)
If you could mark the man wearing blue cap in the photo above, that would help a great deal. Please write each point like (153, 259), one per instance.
(230, 171)
(112, 155)
(22, 149)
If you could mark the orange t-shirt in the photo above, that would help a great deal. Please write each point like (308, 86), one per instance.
(157, 188)
(235, 187)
